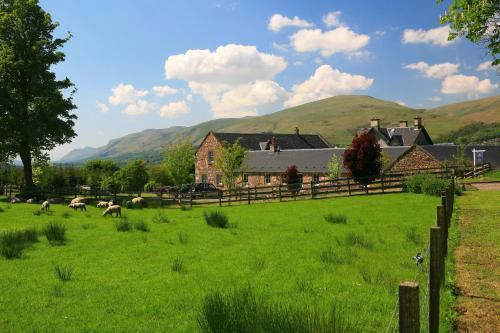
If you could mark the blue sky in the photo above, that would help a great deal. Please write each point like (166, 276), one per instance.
(212, 59)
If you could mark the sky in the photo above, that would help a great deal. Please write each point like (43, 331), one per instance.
(155, 64)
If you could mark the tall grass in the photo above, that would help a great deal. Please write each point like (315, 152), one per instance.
(183, 237)
(178, 265)
(55, 233)
(63, 273)
(412, 236)
(13, 242)
(335, 218)
(338, 255)
(160, 217)
(241, 311)
(123, 225)
(142, 226)
(216, 219)
(359, 240)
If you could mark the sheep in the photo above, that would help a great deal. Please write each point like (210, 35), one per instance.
(102, 204)
(113, 209)
(77, 200)
(45, 206)
(15, 200)
(78, 205)
(111, 203)
(138, 201)
(30, 201)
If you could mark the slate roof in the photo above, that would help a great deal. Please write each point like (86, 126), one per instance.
(255, 141)
(401, 136)
(306, 160)
(450, 152)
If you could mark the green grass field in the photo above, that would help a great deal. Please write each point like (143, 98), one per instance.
(156, 280)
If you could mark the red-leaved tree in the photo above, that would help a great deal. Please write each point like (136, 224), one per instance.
(293, 179)
(363, 159)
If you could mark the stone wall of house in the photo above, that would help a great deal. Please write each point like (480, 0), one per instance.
(202, 165)
(415, 159)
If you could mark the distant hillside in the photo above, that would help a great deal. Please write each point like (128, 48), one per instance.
(335, 118)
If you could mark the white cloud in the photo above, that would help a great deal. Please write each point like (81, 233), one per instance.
(102, 107)
(437, 71)
(278, 22)
(436, 36)
(379, 33)
(125, 94)
(189, 98)
(470, 85)
(247, 98)
(434, 99)
(280, 47)
(164, 90)
(486, 66)
(341, 39)
(326, 82)
(332, 20)
(401, 103)
(174, 109)
(141, 107)
(359, 55)
(227, 69)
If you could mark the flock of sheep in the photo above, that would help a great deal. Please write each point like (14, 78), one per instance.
(79, 204)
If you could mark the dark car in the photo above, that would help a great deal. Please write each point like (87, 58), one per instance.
(200, 190)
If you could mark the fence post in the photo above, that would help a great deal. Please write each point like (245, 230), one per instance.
(434, 279)
(312, 189)
(220, 198)
(409, 308)
(444, 204)
(349, 186)
(279, 191)
(255, 192)
(191, 199)
(382, 183)
(248, 194)
(441, 222)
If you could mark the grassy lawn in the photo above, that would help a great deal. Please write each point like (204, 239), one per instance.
(125, 281)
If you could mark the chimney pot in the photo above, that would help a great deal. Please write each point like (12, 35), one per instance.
(375, 122)
(417, 122)
(297, 131)
(403, 123)
(274, 144)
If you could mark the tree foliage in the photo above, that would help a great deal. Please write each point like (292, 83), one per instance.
(97, 170)
(473, 133)
(35, 114)
(478, 20)
(334, 167)
(179, 162)
(229, 160)
(363, 158)
(292, 177)
(133, 177)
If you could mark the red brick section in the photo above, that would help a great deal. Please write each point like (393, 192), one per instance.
(202, 165)
(415, 158)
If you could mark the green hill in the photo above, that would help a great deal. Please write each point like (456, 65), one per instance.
(335, 118)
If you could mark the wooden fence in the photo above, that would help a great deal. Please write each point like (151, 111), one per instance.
(409, 302)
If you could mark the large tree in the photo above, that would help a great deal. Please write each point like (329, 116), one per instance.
(229, 161)
(478, 20)
(179, 162)
(133, 177)
(363, 159)
(35, 107)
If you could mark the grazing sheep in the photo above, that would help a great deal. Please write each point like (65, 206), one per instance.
(138, 201)
(78, 205)
(111, 203)
(15, 200)
(102, 204)
(45, 206)
(78, 200)
(113, 209)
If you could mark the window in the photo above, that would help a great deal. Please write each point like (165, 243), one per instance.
(283, 178)
(219, 180)
(210, 157)
(204, 178)
(316, 178)
(245, 178)
(267, 179)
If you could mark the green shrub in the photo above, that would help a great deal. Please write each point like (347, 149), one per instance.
(55, 233)
(357, 239)
(335, 218)
(434, 185)
(178, 265)
(183, 237)
(37, 213)
(160, 217)
(459, 190)
(142, 226)
(414, 183)
(338, 256)
(216, 219)
(63, 273)
(241, 311)
(123, 225)
(12, 243)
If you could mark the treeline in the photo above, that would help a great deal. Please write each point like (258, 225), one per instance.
(473, 133)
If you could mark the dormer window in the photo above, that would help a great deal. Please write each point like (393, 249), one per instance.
(210, 157)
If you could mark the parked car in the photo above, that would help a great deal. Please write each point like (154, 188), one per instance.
(200, 190)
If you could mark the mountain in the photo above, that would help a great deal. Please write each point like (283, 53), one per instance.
(335, 118)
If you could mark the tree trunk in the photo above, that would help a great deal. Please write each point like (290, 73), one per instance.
(27, 167)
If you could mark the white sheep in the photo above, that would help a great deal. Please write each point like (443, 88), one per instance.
(113, 209)
(45, 206)
(138, 201)
(30, 201)
(102, 204)
(77, 200)
(78, 205)
(111, 203)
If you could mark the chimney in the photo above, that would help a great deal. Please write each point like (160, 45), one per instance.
(297, 131)
(375, 122)
(274, 145)
(417, 122)
(403, 123)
